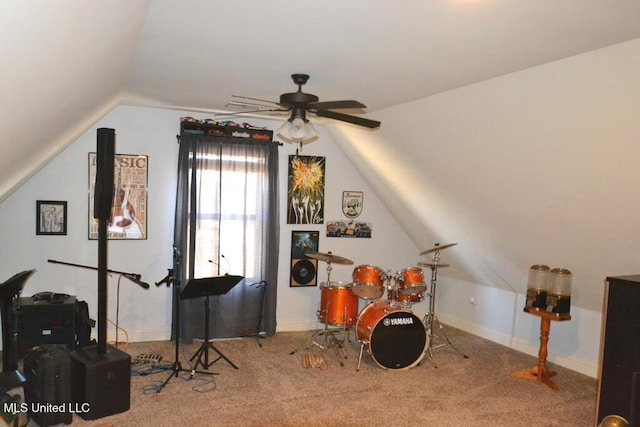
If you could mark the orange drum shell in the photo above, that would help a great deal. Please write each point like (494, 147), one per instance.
(412, 281)
(338, 305)
(369, 317)
(368, 281)
(419, 297)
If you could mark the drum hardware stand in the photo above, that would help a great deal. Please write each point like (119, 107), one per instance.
(330, 338)
(362, 344)
(430, 318)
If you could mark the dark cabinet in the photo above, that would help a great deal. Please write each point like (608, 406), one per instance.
(619, 377)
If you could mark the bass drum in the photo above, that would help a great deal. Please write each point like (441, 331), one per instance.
(395, 338)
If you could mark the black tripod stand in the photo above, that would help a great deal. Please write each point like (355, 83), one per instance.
(176, 367)
(206, 287)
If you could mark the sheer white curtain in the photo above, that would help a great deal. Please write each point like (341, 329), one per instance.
(227, 223)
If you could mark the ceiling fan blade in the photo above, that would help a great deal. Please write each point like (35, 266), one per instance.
(251, 105)
(337, 105)
(360, 121)
(254, 99)
(241, 113)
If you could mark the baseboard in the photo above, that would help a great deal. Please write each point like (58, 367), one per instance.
(522, 346)
(138, 336)
(297, 326)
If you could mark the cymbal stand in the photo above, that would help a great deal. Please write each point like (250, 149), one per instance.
(330, 338)
(431, 319)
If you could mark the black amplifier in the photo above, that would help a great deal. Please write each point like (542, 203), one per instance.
(44, 320)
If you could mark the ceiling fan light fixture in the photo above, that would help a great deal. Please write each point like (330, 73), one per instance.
(283, 130)
(297, 130)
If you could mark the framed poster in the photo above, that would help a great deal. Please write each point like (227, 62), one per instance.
(128, 218)
(51, 218)
(304, 271)
(306, 190)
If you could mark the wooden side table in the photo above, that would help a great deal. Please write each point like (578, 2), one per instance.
(540, 372)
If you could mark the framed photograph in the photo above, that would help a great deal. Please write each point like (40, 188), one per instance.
(51, 218)
(304, 271)
(339, 228)
(128, 219)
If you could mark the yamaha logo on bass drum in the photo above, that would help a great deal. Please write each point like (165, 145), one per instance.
(397, 321)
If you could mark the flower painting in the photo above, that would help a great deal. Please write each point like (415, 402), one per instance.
(306, 190)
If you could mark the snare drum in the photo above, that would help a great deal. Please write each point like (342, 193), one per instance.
(395, 338)
(368, 282)
(338, 305)
(411, 281)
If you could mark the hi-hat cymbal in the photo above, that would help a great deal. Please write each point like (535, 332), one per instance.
(437, 247)
(432, 264)
(328, 258)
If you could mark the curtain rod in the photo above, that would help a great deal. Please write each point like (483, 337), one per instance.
(231, 138)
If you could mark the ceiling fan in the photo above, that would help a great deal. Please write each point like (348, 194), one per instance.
(300, 103)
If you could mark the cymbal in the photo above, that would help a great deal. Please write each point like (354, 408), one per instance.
(328, 258)
(437, 247)
(432, 264)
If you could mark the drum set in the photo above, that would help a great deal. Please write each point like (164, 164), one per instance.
(394, 337)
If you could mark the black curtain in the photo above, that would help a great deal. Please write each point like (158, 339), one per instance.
(227, 222)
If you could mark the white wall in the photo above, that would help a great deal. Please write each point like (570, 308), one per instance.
(146, 314)
(538, 166)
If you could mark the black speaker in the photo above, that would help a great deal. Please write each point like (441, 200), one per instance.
(100, 382)
(620, 351)
(103, 190)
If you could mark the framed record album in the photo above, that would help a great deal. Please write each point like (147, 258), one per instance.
(304, 271)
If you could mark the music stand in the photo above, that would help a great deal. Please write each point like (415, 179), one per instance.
(205, 287)
(9, 290)
(176, 367)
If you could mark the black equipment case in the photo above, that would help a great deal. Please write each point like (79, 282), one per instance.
(46, 320)
(47, 390)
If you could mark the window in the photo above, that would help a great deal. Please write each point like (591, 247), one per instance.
(227, 223)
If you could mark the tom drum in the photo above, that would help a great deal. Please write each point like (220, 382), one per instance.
(368, 282)
(395, 338)
(411, 281)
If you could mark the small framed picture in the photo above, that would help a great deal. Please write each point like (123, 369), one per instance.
(51, 218)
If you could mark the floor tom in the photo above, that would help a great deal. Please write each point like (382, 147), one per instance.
(338, 305)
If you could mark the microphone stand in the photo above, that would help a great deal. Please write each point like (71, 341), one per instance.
(176, 367)
(135, 278)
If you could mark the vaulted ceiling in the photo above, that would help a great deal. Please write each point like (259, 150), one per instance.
(67, 63)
